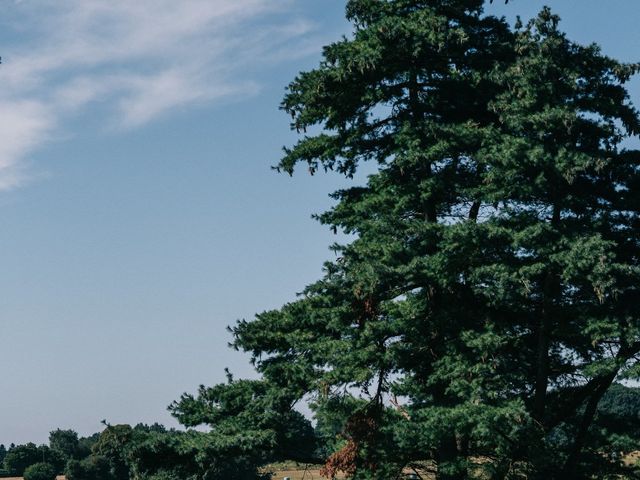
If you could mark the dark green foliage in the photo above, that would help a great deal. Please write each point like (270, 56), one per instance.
(19, 457)
(252, 424)
(85, 445)
(94, 467)
(73, 470)
(65, 442)
(113, 445)
(40, 471)
(619, 413)
(615, 432)
(489, 298)
(140, 450)
(167, 453)
(121, 452)
(332, 415)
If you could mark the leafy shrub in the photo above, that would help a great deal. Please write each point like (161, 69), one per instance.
(40, 471)
(94, 467)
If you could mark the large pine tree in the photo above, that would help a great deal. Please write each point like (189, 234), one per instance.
(489, 298)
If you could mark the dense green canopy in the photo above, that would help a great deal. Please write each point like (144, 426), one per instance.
(489, 298)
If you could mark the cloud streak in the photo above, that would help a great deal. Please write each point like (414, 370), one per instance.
(143, 59)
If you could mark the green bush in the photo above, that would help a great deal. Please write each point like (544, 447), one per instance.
(94, 467)
(40, 471)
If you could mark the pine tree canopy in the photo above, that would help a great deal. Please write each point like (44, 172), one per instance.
(490, 296)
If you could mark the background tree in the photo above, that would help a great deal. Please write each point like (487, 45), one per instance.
(614, 436)
(65, 442)
(113, 444)
(619, 415)
(155, 451)
(19, 457)
(85, 445)
(143, 452)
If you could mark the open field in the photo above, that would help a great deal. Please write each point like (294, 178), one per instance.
(297, 474)
(296, 471)
(310, 474)
(632, 458)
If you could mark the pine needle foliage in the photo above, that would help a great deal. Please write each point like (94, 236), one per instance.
(490, 297)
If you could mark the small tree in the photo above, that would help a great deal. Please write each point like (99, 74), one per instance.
(65, 442)
(40, 471)
(113, 444)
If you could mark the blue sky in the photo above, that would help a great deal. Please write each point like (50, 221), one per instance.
(139, 213)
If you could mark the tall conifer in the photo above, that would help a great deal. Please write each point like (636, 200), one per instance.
(489, 298)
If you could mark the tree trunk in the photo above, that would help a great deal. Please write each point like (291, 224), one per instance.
(550, 293)
(450, 466)
(569, 470)
(542, 373)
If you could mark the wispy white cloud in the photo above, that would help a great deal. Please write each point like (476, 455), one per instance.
(144, 57)
(24, 125)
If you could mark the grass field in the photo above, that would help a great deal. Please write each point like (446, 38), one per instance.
(297, 474)
(297, 471)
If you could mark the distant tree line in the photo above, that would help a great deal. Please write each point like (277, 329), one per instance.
(153, 452)
(116, 453)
